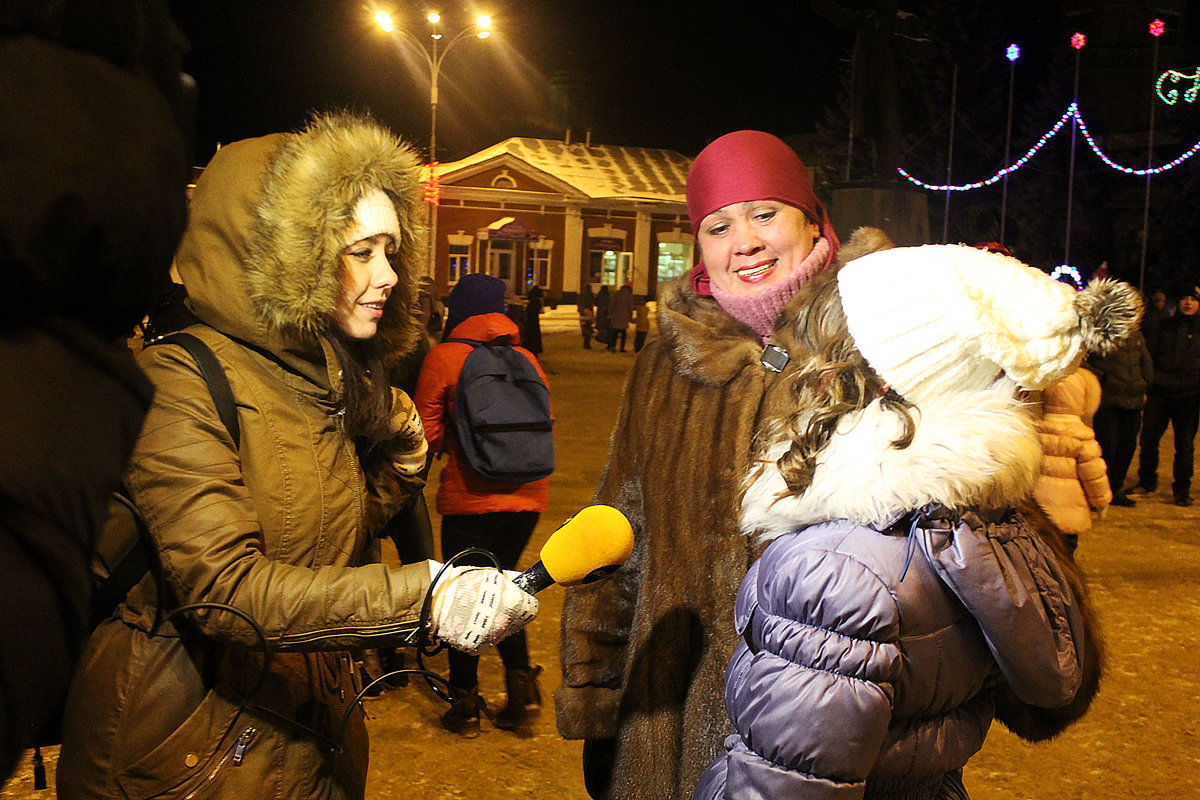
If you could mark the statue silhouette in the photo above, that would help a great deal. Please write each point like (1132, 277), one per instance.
(875, 115)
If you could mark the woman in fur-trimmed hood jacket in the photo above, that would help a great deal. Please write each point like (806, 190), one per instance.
(901, 602)
(278, 524)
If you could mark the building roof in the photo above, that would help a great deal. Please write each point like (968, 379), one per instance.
(597, 171)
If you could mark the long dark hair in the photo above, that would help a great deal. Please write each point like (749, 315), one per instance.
(367, 394)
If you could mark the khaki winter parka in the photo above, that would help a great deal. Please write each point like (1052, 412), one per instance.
(278, 527)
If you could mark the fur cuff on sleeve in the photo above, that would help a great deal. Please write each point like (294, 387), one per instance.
(586, 712)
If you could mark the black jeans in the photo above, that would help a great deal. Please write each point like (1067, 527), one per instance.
(1183, 414)
(1117, 434)
(504, 534)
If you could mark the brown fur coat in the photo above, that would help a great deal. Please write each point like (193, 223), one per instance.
(644, 654)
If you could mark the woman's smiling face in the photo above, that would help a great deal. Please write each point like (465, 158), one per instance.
(750, 246)
(367, 281)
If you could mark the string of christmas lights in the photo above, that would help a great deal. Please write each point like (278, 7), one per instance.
(1070, 272)
(1171, 97)
(1072, 111)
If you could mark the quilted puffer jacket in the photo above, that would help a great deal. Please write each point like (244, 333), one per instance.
(880, 629)
(279, 527)
(1074, 477)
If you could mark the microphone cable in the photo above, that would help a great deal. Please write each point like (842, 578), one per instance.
(420, 638)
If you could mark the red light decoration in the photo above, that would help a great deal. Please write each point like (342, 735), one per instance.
(1157, 28)
(433, 186)
(1077, 41)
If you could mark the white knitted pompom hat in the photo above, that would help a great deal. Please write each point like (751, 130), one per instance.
(952, 318)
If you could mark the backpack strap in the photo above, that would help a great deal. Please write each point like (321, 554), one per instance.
(504, 340)
(128, 572)
(214, 376)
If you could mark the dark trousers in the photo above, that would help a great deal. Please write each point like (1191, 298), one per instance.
(1117, 434)
(618, 335)
(1183, 414)
(639, 339)
(504, 534)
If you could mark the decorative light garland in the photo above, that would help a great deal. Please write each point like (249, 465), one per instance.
(433, 185)
(1172, 96)
(1072, 111)
(1070, 272)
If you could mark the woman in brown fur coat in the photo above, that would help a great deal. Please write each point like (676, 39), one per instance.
(644, 654)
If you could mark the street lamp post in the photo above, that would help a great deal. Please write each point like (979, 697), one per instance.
(481, 29)
(434, 56)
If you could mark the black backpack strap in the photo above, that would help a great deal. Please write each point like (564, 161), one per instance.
(128, 572)
(499, 340)
(214, 376)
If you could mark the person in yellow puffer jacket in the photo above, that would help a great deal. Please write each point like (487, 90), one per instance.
(1074, 479)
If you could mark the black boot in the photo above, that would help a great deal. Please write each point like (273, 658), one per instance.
(391, 659)
(524, 701)
(463, 716)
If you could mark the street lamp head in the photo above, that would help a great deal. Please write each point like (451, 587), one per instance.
(434, 17)
(384, 20)
(483, 21)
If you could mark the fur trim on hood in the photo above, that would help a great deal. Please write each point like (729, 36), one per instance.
(975, 448)
(312, 185)
(261, 258)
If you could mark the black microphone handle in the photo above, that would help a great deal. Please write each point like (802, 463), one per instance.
(534, 579)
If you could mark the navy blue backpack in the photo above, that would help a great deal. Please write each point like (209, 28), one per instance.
(503, 409)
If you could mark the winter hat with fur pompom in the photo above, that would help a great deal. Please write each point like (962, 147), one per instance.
(941, 318)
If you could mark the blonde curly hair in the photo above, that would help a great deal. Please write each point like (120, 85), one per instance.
(826, 379)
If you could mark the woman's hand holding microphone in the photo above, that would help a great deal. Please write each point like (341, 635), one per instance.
(474, 607)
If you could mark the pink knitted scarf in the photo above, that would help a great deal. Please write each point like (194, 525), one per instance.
(758, 311)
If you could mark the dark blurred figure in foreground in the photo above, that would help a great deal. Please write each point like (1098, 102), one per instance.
(93, 169)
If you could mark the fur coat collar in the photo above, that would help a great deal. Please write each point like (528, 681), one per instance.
(978, 448)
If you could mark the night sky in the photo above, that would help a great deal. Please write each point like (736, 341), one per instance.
(662, 74)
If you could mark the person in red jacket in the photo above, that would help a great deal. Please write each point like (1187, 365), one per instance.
(477, 512)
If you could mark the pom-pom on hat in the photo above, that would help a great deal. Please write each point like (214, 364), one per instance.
(952, 318)
(375, 213)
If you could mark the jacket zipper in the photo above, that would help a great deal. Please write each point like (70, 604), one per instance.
(237, 753)
(239, 748)
(365, 631)
(359, 480)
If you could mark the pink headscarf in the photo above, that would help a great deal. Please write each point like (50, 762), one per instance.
(751, 165)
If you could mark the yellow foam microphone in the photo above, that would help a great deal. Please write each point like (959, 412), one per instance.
(588, 546)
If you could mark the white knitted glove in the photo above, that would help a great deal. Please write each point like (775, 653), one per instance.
(474, 607)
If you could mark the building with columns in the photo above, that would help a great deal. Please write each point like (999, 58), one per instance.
(559, 214)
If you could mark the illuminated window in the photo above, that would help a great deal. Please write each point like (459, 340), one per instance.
(537, 265)
(500, 259)
(460, 261)
(674, 259)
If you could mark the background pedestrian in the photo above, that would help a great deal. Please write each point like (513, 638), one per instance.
(477, 512)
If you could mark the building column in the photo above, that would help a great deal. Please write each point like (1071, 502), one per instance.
(572, 250)
(643, 246)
